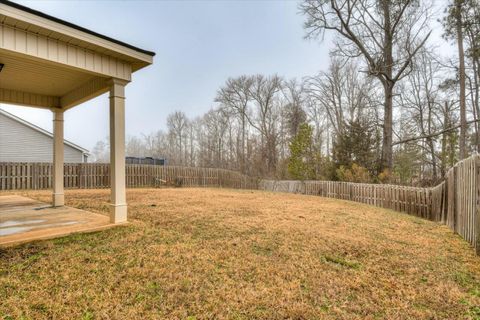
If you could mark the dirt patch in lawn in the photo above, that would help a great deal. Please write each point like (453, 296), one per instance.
(229, 254)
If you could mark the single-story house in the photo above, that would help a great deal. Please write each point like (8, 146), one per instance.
(22, 141)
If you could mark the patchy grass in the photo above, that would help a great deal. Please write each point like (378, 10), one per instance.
(343, 262)
(227, 254)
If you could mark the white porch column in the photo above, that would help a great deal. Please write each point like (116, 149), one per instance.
(118, 209)
(58, 158)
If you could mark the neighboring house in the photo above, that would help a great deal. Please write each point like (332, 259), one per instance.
(22, 141)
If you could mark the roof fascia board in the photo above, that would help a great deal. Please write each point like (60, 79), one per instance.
(54, 26)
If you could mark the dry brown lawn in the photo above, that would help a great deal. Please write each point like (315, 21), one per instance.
(229, 254)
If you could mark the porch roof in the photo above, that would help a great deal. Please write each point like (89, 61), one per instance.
(52, 63)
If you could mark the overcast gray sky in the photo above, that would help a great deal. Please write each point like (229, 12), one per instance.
(199, 44)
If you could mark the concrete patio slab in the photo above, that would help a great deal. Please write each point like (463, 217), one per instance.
(23, 220)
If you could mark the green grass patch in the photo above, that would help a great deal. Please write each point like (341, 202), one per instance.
(342, 262)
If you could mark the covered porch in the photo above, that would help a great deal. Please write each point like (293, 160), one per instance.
(24, 220)
(52, 64)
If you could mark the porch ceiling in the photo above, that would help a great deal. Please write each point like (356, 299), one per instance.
(27, 75)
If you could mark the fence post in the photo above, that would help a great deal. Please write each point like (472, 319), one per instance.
(79, 172)
(477, 206)
(34, 176)
(454, 199)
(445, 201)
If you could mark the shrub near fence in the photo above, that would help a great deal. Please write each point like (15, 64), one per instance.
(17, 176)
(455, 202)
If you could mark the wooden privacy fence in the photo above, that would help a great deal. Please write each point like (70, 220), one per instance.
(17, 176)
(411, 200)
(455, 202)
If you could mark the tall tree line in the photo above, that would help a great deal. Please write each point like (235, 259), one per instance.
(387, 109)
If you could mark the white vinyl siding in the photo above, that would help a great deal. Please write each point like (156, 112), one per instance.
(21, 143)
(55, 50)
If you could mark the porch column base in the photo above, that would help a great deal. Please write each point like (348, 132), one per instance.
(58, 199)
(118, 213)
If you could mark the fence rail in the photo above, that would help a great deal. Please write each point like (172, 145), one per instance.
(455, 202)
(36, 176)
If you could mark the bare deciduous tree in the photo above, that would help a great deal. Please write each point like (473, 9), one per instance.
(386, 33)
(235, 94)
(177, 128)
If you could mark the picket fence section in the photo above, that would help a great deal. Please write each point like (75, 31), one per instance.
(36, 176)
(455, 202)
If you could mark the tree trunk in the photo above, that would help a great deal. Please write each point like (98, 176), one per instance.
(431, 147)
(242, 165)
(476, 106)
(475, 113)
(387, 148)
(446, 125)
(461, 78)
(430, 141)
